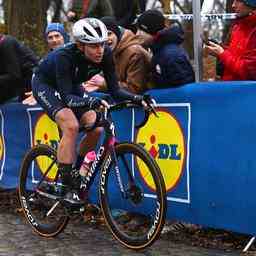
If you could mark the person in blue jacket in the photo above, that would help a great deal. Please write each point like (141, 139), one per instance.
(56, 35)
(170, 62)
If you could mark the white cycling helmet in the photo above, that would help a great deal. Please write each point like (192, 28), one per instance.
(90, 31)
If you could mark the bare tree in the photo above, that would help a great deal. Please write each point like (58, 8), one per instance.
(57, 6)
(166, 5)
(26, 20)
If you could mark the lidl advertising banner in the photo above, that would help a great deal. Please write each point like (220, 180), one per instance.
(42, 129)
(166, 138)
(21, 128)
(203, 141)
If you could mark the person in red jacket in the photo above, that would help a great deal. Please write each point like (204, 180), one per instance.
(239, 56)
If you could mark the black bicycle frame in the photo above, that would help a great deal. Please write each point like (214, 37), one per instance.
(107, 146)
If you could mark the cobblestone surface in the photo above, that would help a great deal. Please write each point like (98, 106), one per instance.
(84, 238)
(80, 238)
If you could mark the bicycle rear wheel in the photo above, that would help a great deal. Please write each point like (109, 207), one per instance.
(38, 186)
(133, 201)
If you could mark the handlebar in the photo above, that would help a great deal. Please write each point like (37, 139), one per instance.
(124, 104)
(148, 109)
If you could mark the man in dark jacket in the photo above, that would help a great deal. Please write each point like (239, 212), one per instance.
(170, 62)
(16, 64)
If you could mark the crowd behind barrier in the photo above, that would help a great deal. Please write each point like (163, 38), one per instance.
(204, 142)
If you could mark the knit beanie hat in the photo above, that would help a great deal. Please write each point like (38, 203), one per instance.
(112, 25)
(251, 3)
(59, 28)
(151, 21)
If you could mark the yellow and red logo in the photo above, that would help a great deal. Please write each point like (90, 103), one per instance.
(46, 132)
(1, 147)
(163, 138)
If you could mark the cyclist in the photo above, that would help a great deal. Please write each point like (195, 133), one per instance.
(64, 70)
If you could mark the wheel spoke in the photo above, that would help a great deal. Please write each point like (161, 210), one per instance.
(135, 220)
(52, 209)
(41, 199)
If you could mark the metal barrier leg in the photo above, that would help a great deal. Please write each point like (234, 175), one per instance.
(249, 244)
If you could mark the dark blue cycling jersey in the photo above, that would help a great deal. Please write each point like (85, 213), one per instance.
(65, 68)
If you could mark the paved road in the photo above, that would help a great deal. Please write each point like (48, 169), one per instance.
(79, 238)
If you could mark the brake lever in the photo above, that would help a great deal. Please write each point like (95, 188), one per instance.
(152, 109)
(105, 113)
(151, 104)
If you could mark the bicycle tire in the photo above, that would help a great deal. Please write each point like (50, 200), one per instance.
(117, 225)
(34, 204)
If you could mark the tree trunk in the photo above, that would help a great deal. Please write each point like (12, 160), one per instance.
(27, 21)
(166, 6)
(57, 10)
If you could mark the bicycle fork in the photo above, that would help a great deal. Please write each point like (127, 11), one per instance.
(117, 171)
(127, 169)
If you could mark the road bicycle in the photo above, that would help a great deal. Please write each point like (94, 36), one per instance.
(134, 212)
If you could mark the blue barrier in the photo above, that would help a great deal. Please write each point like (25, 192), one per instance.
(203, 142)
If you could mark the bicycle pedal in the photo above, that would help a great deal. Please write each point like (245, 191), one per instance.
(73, 198)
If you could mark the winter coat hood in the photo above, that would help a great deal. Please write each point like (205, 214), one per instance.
(132, 63)
(128, 39)
(173, 34)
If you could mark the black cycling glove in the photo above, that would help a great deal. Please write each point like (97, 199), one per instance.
(139, 98)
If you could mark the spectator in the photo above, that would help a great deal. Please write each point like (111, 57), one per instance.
(124, 12)
(16, 64)
(89, 8)
(170, 62)
(56, 35)
(132, 61)
(238, 58)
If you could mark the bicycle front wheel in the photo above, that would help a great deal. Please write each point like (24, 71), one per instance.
(132, 196)
(38, 185)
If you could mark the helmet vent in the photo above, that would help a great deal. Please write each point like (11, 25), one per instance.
(87, 31)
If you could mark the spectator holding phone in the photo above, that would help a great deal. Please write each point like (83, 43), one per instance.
(238, 58)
